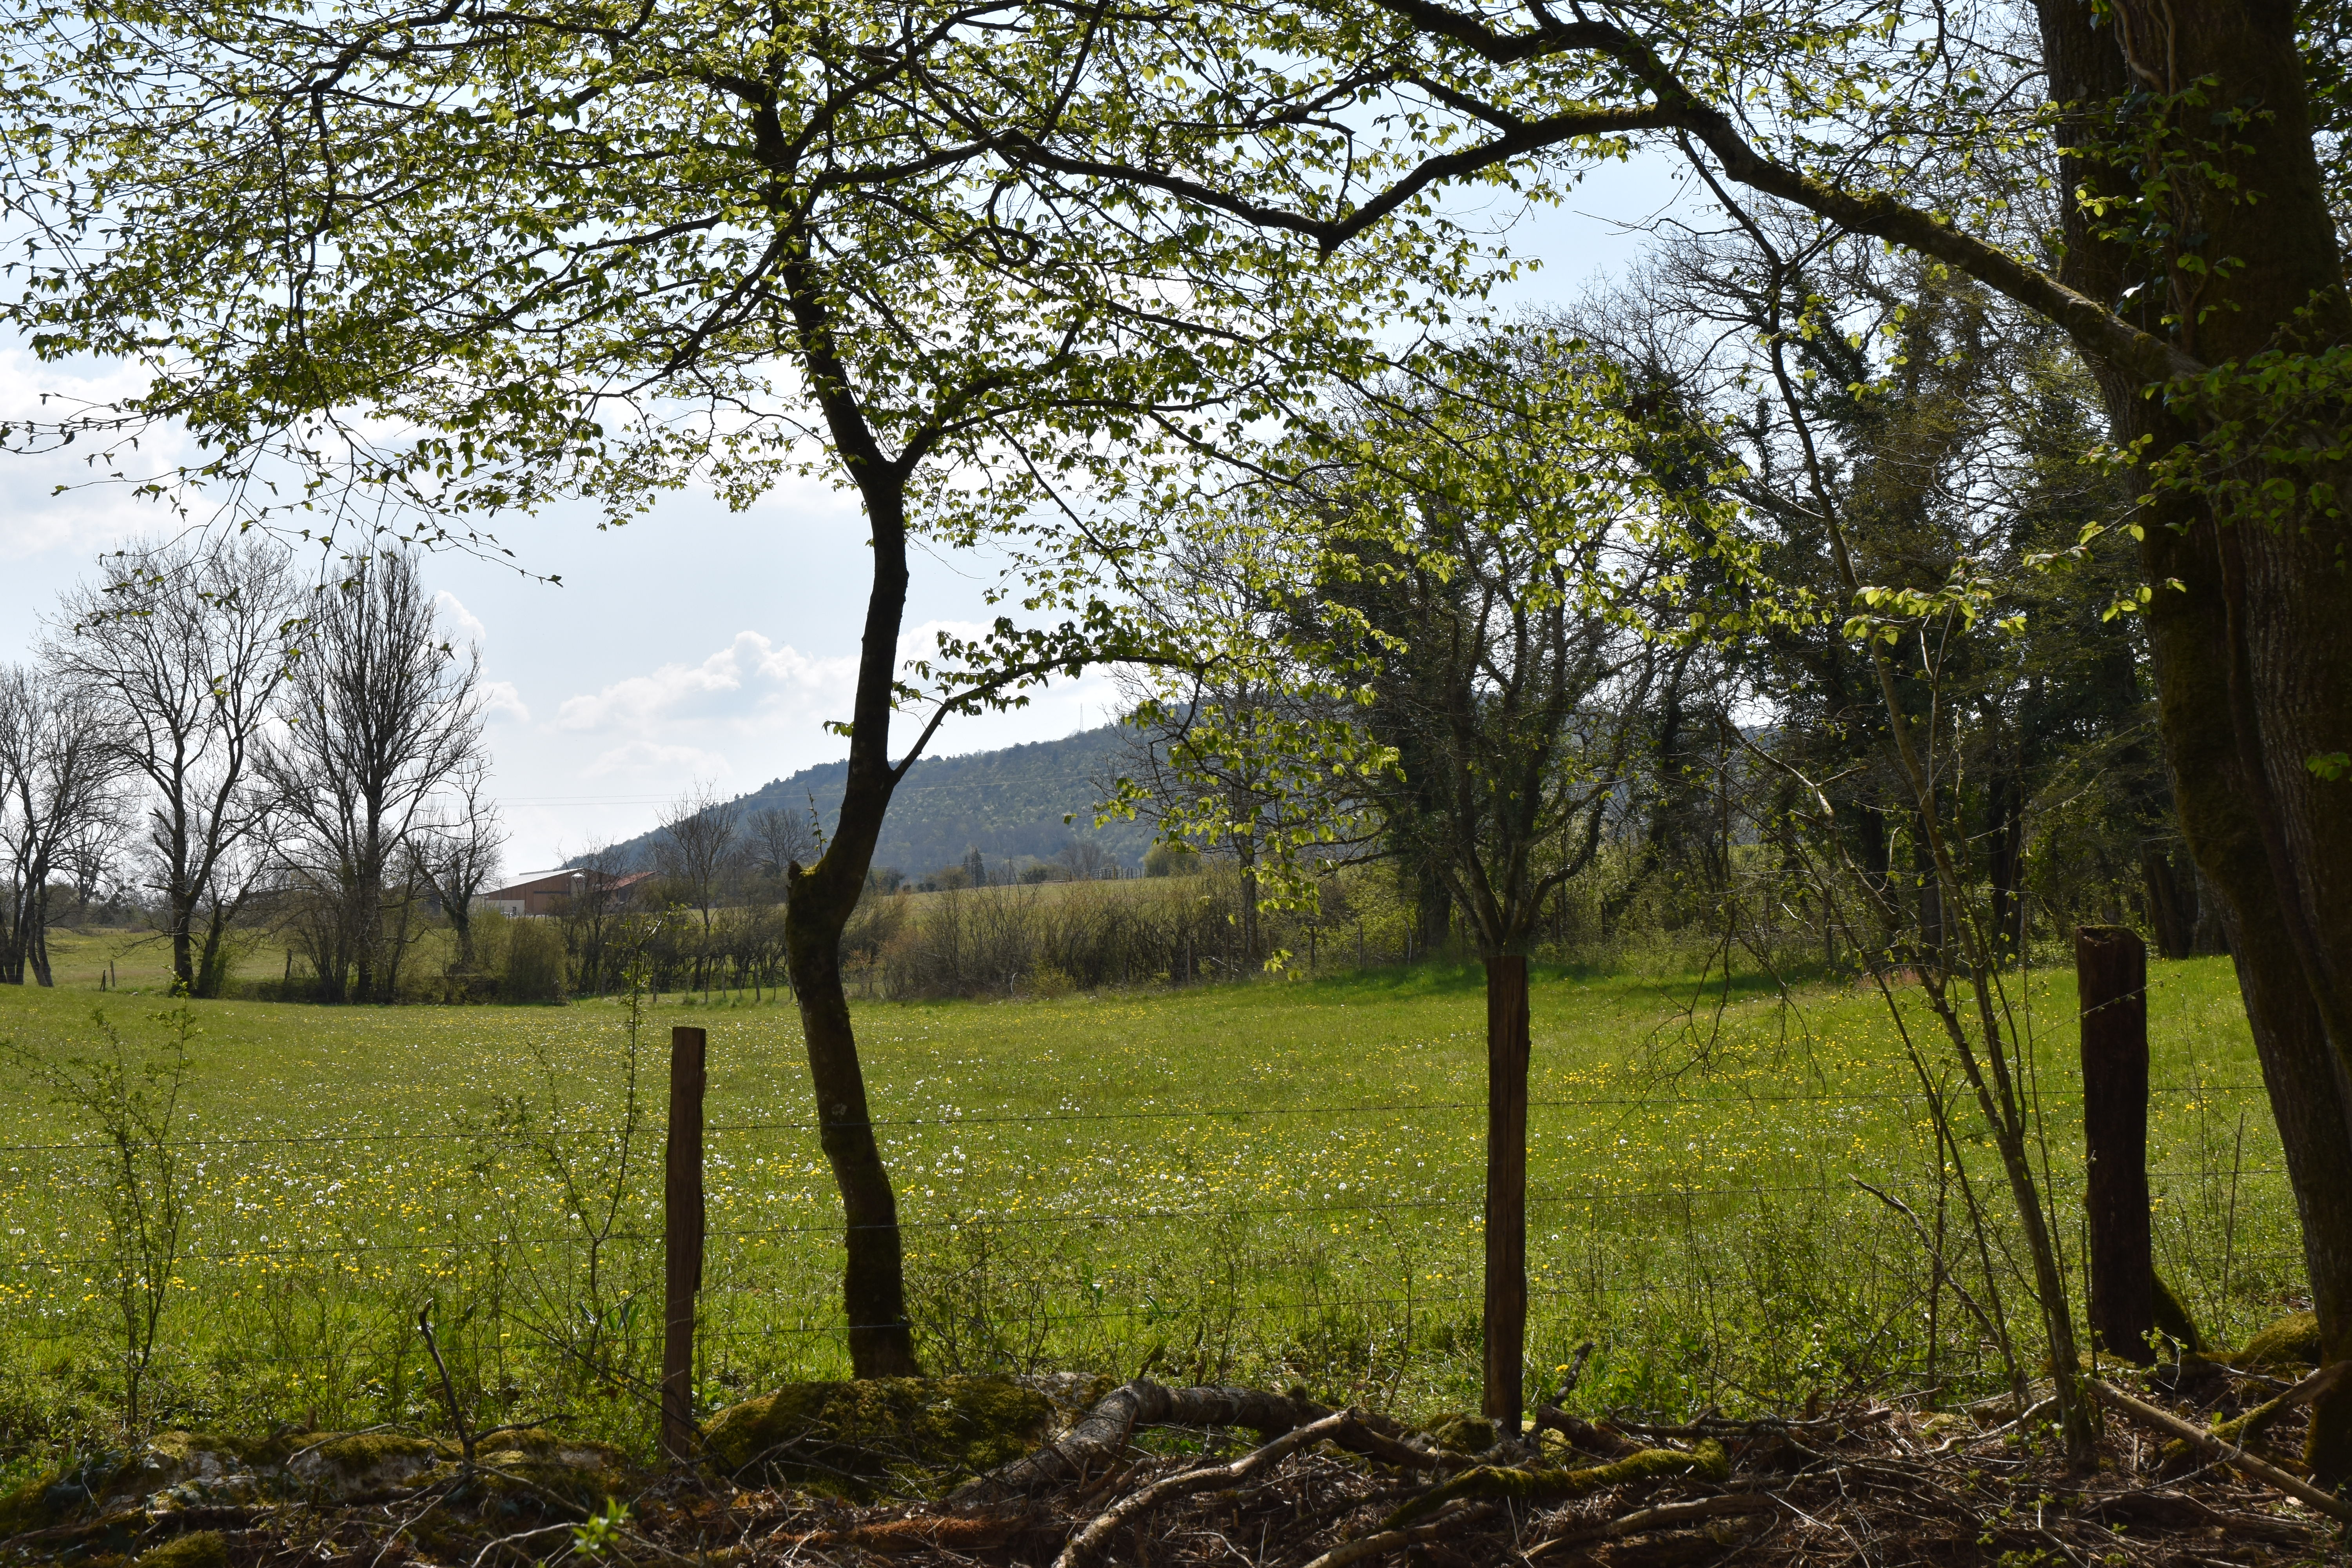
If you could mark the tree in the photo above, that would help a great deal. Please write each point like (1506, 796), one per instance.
(183, 646)
(595, 917)
(1954, 428)
(700, 845)
(458, 853)
(382, 730)
(57, 808)
(2195, 260)
(612, 249)
(699, 850)
(1230, 752)
(1494, 580)
(781, 839)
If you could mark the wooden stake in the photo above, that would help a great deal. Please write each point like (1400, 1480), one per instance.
(2111, 979)
(682, 1227)
(1506, 1188)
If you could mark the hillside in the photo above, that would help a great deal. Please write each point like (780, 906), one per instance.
(1007, 803)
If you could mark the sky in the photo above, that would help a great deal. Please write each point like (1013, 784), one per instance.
(694, 646)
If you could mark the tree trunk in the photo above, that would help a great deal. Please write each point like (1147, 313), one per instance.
(1507, 1189)
(822, 899)
(2171, 916)
(1433, 911)
(183, 957)
(2006, 855)
(2254, 649)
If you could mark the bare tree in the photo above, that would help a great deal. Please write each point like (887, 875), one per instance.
(183, 646)
(458, 853)
(57, 808)
(1088, 862)
(384, 728)
(699, 846)
(1234, 751)
(780, 838)
(604, 892)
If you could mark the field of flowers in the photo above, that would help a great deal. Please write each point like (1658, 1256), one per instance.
(1275, 1182)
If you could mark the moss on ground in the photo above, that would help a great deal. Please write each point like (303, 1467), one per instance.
(862, 1439)
(2293, 1340)
(1459, 1433)
(198, 1549)
(1709, 1461)
(528, 1471)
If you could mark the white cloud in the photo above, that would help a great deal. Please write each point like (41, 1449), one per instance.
(503, 700)
(458, 619)
(95, 509)
(749, 676)
(653, 759)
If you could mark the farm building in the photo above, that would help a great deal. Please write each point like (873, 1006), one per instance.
(551, 892)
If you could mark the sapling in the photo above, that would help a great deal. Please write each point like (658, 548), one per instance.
(132, 1102)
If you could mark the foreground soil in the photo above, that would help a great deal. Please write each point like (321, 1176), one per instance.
(1160, 1478)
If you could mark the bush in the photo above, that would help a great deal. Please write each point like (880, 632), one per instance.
(536, 967)
(1171, 859)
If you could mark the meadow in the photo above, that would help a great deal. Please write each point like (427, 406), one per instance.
(1273, 1183)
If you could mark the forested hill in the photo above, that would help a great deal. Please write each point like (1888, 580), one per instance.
(1007, 803)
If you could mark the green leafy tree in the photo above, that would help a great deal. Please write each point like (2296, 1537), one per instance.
(1474, 613)
(460, 260)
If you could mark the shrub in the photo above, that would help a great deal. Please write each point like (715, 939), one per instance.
(536, 964)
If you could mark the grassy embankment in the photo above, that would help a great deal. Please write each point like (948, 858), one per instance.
(1267, 1182)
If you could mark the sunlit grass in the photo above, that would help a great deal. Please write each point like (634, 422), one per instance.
(1273, 1182)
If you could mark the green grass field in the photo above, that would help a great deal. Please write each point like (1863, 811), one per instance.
(1272, 1183)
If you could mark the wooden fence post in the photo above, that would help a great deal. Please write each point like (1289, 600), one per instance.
(1506, 1188)
(2111, 983)
(682, 1223)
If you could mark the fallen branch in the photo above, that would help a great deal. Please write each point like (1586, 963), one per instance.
(1391, 1540)
(1707, 1461)
(1090, 1541)
(2148, 1414)
(2172, 1507)
(2252, 1423)
(1102, 1437)
(1665, 1516)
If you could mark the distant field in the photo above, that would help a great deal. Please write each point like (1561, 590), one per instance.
(140, 959)
(1277, 1180)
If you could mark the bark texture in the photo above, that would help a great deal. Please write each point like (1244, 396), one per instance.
(2253, 647)
(822, 898)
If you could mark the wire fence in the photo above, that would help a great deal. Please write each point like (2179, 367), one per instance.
(1717, 1244)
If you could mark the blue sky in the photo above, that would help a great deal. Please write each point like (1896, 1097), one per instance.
(695, 643)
